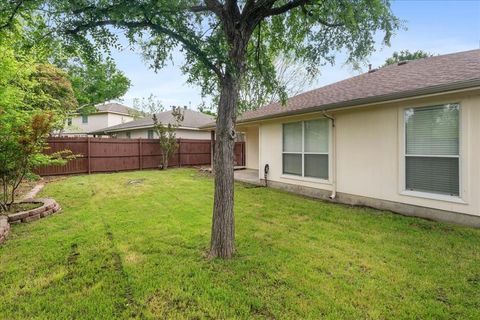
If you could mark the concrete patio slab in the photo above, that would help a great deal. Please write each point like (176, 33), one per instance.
(248, 176)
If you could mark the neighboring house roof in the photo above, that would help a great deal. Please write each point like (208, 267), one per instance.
(192, 120)
(115, 107)
(403, 80)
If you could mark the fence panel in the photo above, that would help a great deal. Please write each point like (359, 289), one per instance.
(239, 152)
(78, 146)
(194, 152)
(111, 155)
(108, 155)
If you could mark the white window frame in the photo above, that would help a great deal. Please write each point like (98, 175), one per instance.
(84, 118)
(461, 198)
(303, 153)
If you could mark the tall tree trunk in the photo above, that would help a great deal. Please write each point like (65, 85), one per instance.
(223, 225)
(165, 163)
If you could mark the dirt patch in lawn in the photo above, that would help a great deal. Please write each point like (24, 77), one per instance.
(135, 182)
(27, 185)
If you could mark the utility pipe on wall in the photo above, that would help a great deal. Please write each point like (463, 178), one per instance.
(334, 155)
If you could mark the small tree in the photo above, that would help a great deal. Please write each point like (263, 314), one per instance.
(406, 55)
(33, 97)
(167, 134)
(21, 152)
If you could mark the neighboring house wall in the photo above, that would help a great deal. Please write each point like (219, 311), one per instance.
(370, 153)
(95, 121)
(180, 133)
(115, 118)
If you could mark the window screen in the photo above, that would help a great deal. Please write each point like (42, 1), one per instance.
(432, 149)
(305, 148)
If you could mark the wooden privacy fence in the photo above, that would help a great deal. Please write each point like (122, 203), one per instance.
(110, 155)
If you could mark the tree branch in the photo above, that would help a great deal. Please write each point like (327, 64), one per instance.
(215, 6)
(249, 4)
(196, 9)
(286, 7)
(232, 7)
(321, 21)
(190, 45)
(257, 60)
(12, 16)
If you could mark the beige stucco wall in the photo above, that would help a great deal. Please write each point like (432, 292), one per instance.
(369, 153)
(96, 121)
(114, 119)
(251, 147)
(181, 134)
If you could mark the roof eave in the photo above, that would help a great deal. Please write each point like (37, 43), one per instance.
(469, 84)
(107, 131)
(102, 112)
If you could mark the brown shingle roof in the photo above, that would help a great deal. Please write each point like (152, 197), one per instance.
(423, 76)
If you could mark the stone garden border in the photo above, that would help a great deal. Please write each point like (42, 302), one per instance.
(49, 206)
(4, 228)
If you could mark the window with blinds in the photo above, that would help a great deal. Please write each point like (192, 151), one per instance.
(305, 148)
(432, 156)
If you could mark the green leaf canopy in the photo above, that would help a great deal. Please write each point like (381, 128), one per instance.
(311, 32)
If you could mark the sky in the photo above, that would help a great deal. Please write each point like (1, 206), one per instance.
(438, 27)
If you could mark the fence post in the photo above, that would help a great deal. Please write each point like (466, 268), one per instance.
(243, 154)
(179, 152)
(212, 149)
(88, 154)
(140, 154)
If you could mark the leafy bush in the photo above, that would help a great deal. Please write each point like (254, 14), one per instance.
(34, 97)
(167, 134)
(21, 152)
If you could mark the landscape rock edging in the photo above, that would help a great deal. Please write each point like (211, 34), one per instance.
(49, 207)
(4, 228)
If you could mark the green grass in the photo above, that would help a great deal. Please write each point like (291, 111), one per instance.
(133, 245)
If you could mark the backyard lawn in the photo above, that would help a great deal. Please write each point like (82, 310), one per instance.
(132, 245)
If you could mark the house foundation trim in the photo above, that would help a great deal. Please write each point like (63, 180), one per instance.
(396, 207)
